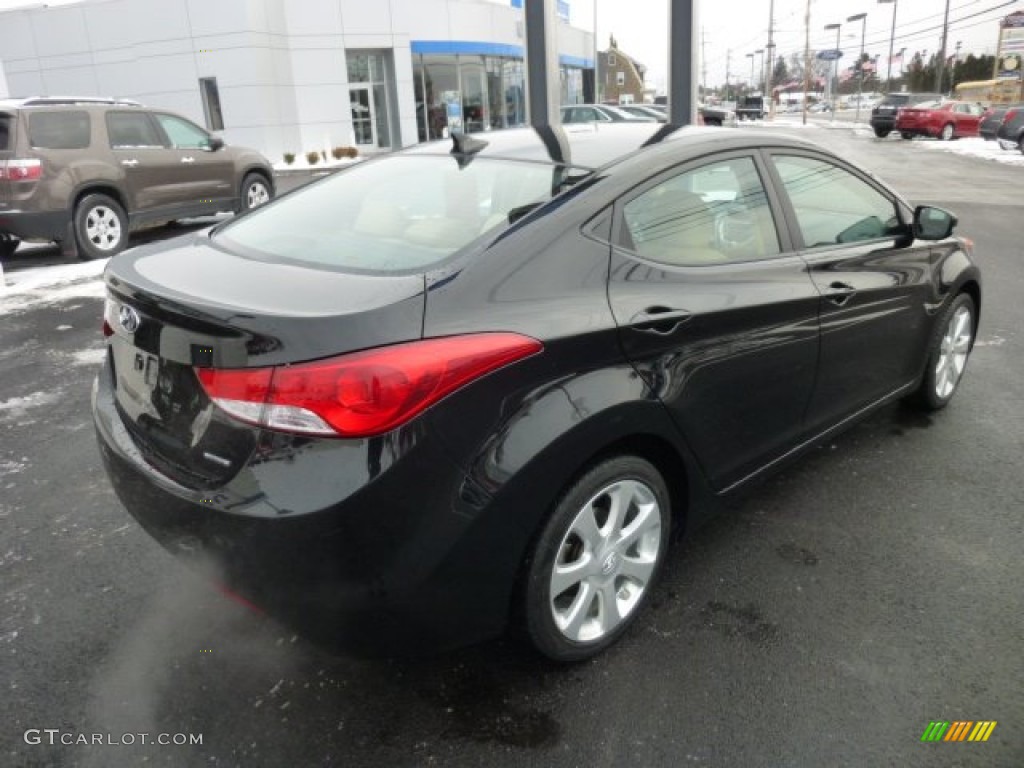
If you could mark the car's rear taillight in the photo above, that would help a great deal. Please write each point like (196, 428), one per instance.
(26, 169)
(364, 393)
(1010, 114)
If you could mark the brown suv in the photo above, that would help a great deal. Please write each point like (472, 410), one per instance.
(84, 172)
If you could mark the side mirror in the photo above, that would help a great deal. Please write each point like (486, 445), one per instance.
(933, 223)
(215, 143)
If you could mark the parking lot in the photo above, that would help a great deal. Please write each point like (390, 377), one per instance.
(823, 619)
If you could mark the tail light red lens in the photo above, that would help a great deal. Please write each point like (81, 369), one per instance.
(21, 170)
(1010, 114)
(363, 393)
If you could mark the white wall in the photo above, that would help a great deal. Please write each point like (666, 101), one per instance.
(280, 64)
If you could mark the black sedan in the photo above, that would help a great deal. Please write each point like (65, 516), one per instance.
(478, 382)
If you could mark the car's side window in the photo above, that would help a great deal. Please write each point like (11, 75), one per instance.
(832, 205)
(714, 214)
(59, 130)
(131, 130)
(183, 134)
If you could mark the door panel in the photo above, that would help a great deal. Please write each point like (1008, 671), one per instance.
(200, 176)
(720, 324)
(873, 294)
(362, 116)
(148, 165)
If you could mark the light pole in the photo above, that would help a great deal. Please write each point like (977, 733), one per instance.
(941, 63)
(751, 57)
(863, 19)
(760, 69)
(769, 90)
(892, 36)
(833, 81)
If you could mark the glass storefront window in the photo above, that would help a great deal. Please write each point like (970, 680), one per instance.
(475, 106)
(443, 98)
(370, 97)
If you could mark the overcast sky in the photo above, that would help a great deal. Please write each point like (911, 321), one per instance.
(741, 27)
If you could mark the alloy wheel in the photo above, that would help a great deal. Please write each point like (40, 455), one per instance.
(605, 561)
(953, 350)
(103, 228)
(256, 194)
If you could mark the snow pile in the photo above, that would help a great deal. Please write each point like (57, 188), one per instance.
(976, 147)
(48, 285)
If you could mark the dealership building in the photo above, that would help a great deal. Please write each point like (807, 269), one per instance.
(294, 75)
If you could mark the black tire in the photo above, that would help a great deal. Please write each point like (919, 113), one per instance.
(934, 394)
(882, 132)
(254, 192)
(906, 135)
(8, 245)
(1020, 144)
(101, 227)
(604, 560)
(947, 132)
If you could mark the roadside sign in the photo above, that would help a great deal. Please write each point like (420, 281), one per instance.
(830, 55)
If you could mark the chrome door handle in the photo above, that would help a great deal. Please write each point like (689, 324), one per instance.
(188, 159)
(130, 163)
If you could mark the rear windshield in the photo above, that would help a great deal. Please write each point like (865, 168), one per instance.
(6, 129)
(59, 130)
(394, 214)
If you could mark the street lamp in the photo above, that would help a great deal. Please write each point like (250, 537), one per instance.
(892, 36)
(863, 19)
(834, 80)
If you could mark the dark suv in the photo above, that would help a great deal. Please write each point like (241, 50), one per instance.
(85, 172)
(1011, 131)
(883, 116)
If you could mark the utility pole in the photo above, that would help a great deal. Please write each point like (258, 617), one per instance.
(771, 58)
(807, 57)
(728, 59)
(703, 68)
(940, 66)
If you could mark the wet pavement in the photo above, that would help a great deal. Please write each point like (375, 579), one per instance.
(823, 619)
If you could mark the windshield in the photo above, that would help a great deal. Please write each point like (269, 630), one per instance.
(394, 214)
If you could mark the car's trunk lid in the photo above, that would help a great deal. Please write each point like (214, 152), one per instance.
(187, 304)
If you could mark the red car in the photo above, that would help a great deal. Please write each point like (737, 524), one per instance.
(941, 120)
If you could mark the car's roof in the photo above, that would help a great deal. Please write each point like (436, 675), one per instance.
(65, 101)
(592, 145)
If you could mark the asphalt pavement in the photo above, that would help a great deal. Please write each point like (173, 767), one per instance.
(823, 619)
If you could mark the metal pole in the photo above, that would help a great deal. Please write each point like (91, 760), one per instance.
(597, 84)
(542, 75)
(751, 57)
(941, 65)
(807, 57)
(863, 19)
(682, 28)
(892, 37)
(771, 55)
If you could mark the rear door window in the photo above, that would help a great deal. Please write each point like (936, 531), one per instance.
(59, 130)
(132, 129)
(6, 132)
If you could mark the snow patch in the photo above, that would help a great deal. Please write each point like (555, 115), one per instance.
(89, 356)
(49, 285)
(18, 407)
(974, 147)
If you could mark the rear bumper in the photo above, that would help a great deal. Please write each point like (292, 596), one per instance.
(26, 225)
(375, 546)
(883, 122)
